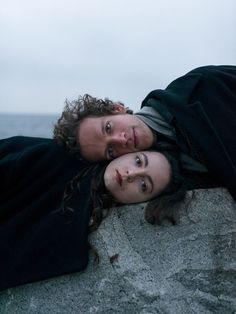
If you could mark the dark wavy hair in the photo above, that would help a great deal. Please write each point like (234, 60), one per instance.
(163, 207)
(101, 200)
(160, 208)
(67, 127)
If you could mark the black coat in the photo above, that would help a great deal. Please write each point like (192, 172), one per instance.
(38, 239)
(201, 108)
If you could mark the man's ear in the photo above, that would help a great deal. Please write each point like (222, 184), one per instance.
(119, 108)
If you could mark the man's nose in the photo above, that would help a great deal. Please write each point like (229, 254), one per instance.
(119, 139)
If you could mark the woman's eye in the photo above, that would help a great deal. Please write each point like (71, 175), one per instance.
(108, 127)
(110, 153)
(138, 161)
(143, 186)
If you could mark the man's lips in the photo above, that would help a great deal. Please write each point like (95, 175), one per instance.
(135, 138)
(118, 178)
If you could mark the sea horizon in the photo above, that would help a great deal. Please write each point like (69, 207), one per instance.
(27, 124)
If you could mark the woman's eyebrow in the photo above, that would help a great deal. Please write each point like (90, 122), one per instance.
(148, 177)
(145, 159)
(150, 182)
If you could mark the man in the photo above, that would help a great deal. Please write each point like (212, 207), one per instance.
(195, 114)
(101, 129)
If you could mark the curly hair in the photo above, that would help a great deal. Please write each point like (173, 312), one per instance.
(162, 207)
(166, 206)
(101, 200)
(67, 127)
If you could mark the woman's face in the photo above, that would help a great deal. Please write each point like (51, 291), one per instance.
(137, 177)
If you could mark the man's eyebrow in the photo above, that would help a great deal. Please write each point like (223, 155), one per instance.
(104, 133)
(145, 159)
(103, 126)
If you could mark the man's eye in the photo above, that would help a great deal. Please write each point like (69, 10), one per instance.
(108, 127)
(143, 186)
(138, 161)
(110, 153)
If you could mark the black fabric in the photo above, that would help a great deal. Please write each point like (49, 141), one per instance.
(38, 239)
(201, 108)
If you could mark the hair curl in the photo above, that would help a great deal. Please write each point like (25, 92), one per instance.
(101, 200)
(66, 128)
(166, 206)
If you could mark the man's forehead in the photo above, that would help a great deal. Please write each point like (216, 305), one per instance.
(89, 123)
(107, 116)
(91, 139)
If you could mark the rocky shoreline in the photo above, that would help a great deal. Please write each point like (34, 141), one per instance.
(187, 268)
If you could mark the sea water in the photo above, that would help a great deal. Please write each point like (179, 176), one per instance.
(37, 125)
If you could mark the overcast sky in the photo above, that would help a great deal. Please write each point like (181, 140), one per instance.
(122, 49)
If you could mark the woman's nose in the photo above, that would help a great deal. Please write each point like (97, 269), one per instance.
(130, 175)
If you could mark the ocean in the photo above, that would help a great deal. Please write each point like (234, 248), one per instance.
(36, 125)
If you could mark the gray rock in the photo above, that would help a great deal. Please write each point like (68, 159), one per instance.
(187, 268)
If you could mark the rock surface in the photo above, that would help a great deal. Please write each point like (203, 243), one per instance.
(188, 268)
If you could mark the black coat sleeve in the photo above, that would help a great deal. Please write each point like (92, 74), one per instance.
(38, 238)
(201, 106)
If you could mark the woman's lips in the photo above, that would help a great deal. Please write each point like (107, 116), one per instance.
(118, 178)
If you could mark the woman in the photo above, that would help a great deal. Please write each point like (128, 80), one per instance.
(48, 198)
(46, 205)
(137, 177)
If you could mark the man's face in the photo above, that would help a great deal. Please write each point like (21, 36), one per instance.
(108, 137)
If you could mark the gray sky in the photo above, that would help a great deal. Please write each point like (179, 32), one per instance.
(122, 49)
